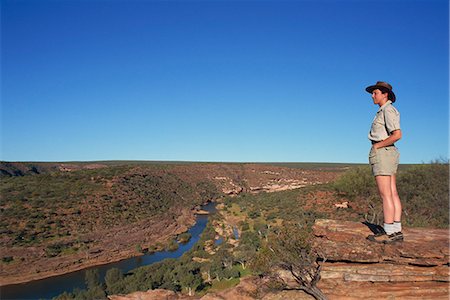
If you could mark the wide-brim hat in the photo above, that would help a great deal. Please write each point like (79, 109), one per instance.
(384, 87)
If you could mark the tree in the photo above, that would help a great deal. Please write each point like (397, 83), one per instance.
(251, 239)
(230, 273)
(92, 278)
(64, 296)
(261, 228)
(244, 253)
(191, 280)
(112, 277)
(216, 269)
(225, 257)
(96, 292)
(292, 252)
(205, 269)
(183, 238)
(172, 246)
(188, 276)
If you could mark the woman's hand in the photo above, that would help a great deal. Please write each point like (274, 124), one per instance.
(395, 136)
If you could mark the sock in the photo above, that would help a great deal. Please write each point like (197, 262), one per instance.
(398, 226)
(389, 228)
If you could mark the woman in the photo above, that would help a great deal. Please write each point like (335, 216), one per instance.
(383, 158)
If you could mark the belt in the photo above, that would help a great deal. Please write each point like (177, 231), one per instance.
(391, 145)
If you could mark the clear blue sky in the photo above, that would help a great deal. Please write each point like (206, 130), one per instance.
(220, 80)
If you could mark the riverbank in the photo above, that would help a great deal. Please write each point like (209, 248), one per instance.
(109, 246)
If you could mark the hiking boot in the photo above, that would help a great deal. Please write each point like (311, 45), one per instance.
(399, 236)
(386, 238)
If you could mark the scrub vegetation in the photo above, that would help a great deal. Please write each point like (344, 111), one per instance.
(210, 267)
(423, 190)
(270, 231)
(43, 208)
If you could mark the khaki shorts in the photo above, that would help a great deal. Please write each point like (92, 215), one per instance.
(384, 161)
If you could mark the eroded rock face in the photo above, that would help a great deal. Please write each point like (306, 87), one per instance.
(356, 268)
(256, 178)
(346, 241)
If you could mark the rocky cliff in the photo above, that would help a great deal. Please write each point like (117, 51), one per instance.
(356, 268)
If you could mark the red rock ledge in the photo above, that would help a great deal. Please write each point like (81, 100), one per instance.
(356, 268)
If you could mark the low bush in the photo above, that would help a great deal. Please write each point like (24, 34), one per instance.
(184, 237)
(356, 182)
(423, 190)
(172, 246)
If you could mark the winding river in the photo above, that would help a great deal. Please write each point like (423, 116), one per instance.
(48, 288)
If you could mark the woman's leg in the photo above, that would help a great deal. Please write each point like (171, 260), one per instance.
(396, 199)
(391, 203)
(385, 190)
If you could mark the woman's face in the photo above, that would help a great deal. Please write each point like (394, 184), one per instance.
(378, 97)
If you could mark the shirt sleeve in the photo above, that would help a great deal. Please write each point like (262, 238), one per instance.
(392, 119)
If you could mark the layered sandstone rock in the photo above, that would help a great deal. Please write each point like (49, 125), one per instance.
(356, 268)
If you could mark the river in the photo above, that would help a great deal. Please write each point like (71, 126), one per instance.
(50, 287)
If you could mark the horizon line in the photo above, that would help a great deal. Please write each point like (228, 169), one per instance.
(205, 161)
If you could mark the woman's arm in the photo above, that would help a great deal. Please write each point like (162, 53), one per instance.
(395, 136)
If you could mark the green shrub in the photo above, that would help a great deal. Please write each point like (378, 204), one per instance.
(244, 225)
(138, 248)
(184, 237)
(172, 246)
(254, 214)
(356, 182)
(113, 278)
(423, 190)
(53, 250)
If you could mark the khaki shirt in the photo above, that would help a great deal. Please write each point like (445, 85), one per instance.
(385, 122)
